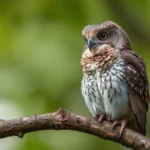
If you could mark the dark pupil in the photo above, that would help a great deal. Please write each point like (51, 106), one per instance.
(103, 35)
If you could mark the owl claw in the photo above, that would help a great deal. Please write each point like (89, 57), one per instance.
(120, 123)
(102, 117)
(116, 123)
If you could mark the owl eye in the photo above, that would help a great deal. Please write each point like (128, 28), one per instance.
(102, 36)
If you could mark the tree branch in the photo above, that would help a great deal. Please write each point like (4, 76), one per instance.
(64, 120)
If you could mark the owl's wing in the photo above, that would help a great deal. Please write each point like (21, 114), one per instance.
(138, 88)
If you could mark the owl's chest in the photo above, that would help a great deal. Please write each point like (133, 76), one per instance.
(106, 91)
(112, 81)
(91, 93)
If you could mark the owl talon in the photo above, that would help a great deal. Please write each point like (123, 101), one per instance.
(102, 117)
(120, 123)
(116, 123)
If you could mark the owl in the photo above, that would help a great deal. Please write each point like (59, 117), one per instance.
(115, 85)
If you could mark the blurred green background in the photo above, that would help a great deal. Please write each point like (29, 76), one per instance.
(40, 51)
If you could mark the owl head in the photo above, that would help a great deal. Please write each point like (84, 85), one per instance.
(107, 34)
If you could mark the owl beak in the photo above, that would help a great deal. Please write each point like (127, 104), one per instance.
(91, 43)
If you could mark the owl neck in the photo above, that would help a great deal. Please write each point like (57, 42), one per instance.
(99, 62)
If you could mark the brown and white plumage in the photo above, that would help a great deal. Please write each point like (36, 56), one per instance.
(115, 84)
(138, 88)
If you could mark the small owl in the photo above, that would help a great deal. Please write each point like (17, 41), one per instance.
(115, 85)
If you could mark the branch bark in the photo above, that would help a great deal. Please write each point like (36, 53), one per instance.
(64, 120)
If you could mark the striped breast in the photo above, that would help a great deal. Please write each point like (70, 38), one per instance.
(106, 91)
(92, 94)
(113, 88)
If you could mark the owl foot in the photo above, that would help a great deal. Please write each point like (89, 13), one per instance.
(102, 117)
(120, 123)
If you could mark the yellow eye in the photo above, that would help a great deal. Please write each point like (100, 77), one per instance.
(102, 36)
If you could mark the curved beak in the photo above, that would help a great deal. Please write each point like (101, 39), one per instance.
(91, 43)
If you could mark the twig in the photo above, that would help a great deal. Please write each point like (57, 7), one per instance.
(64, 120)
